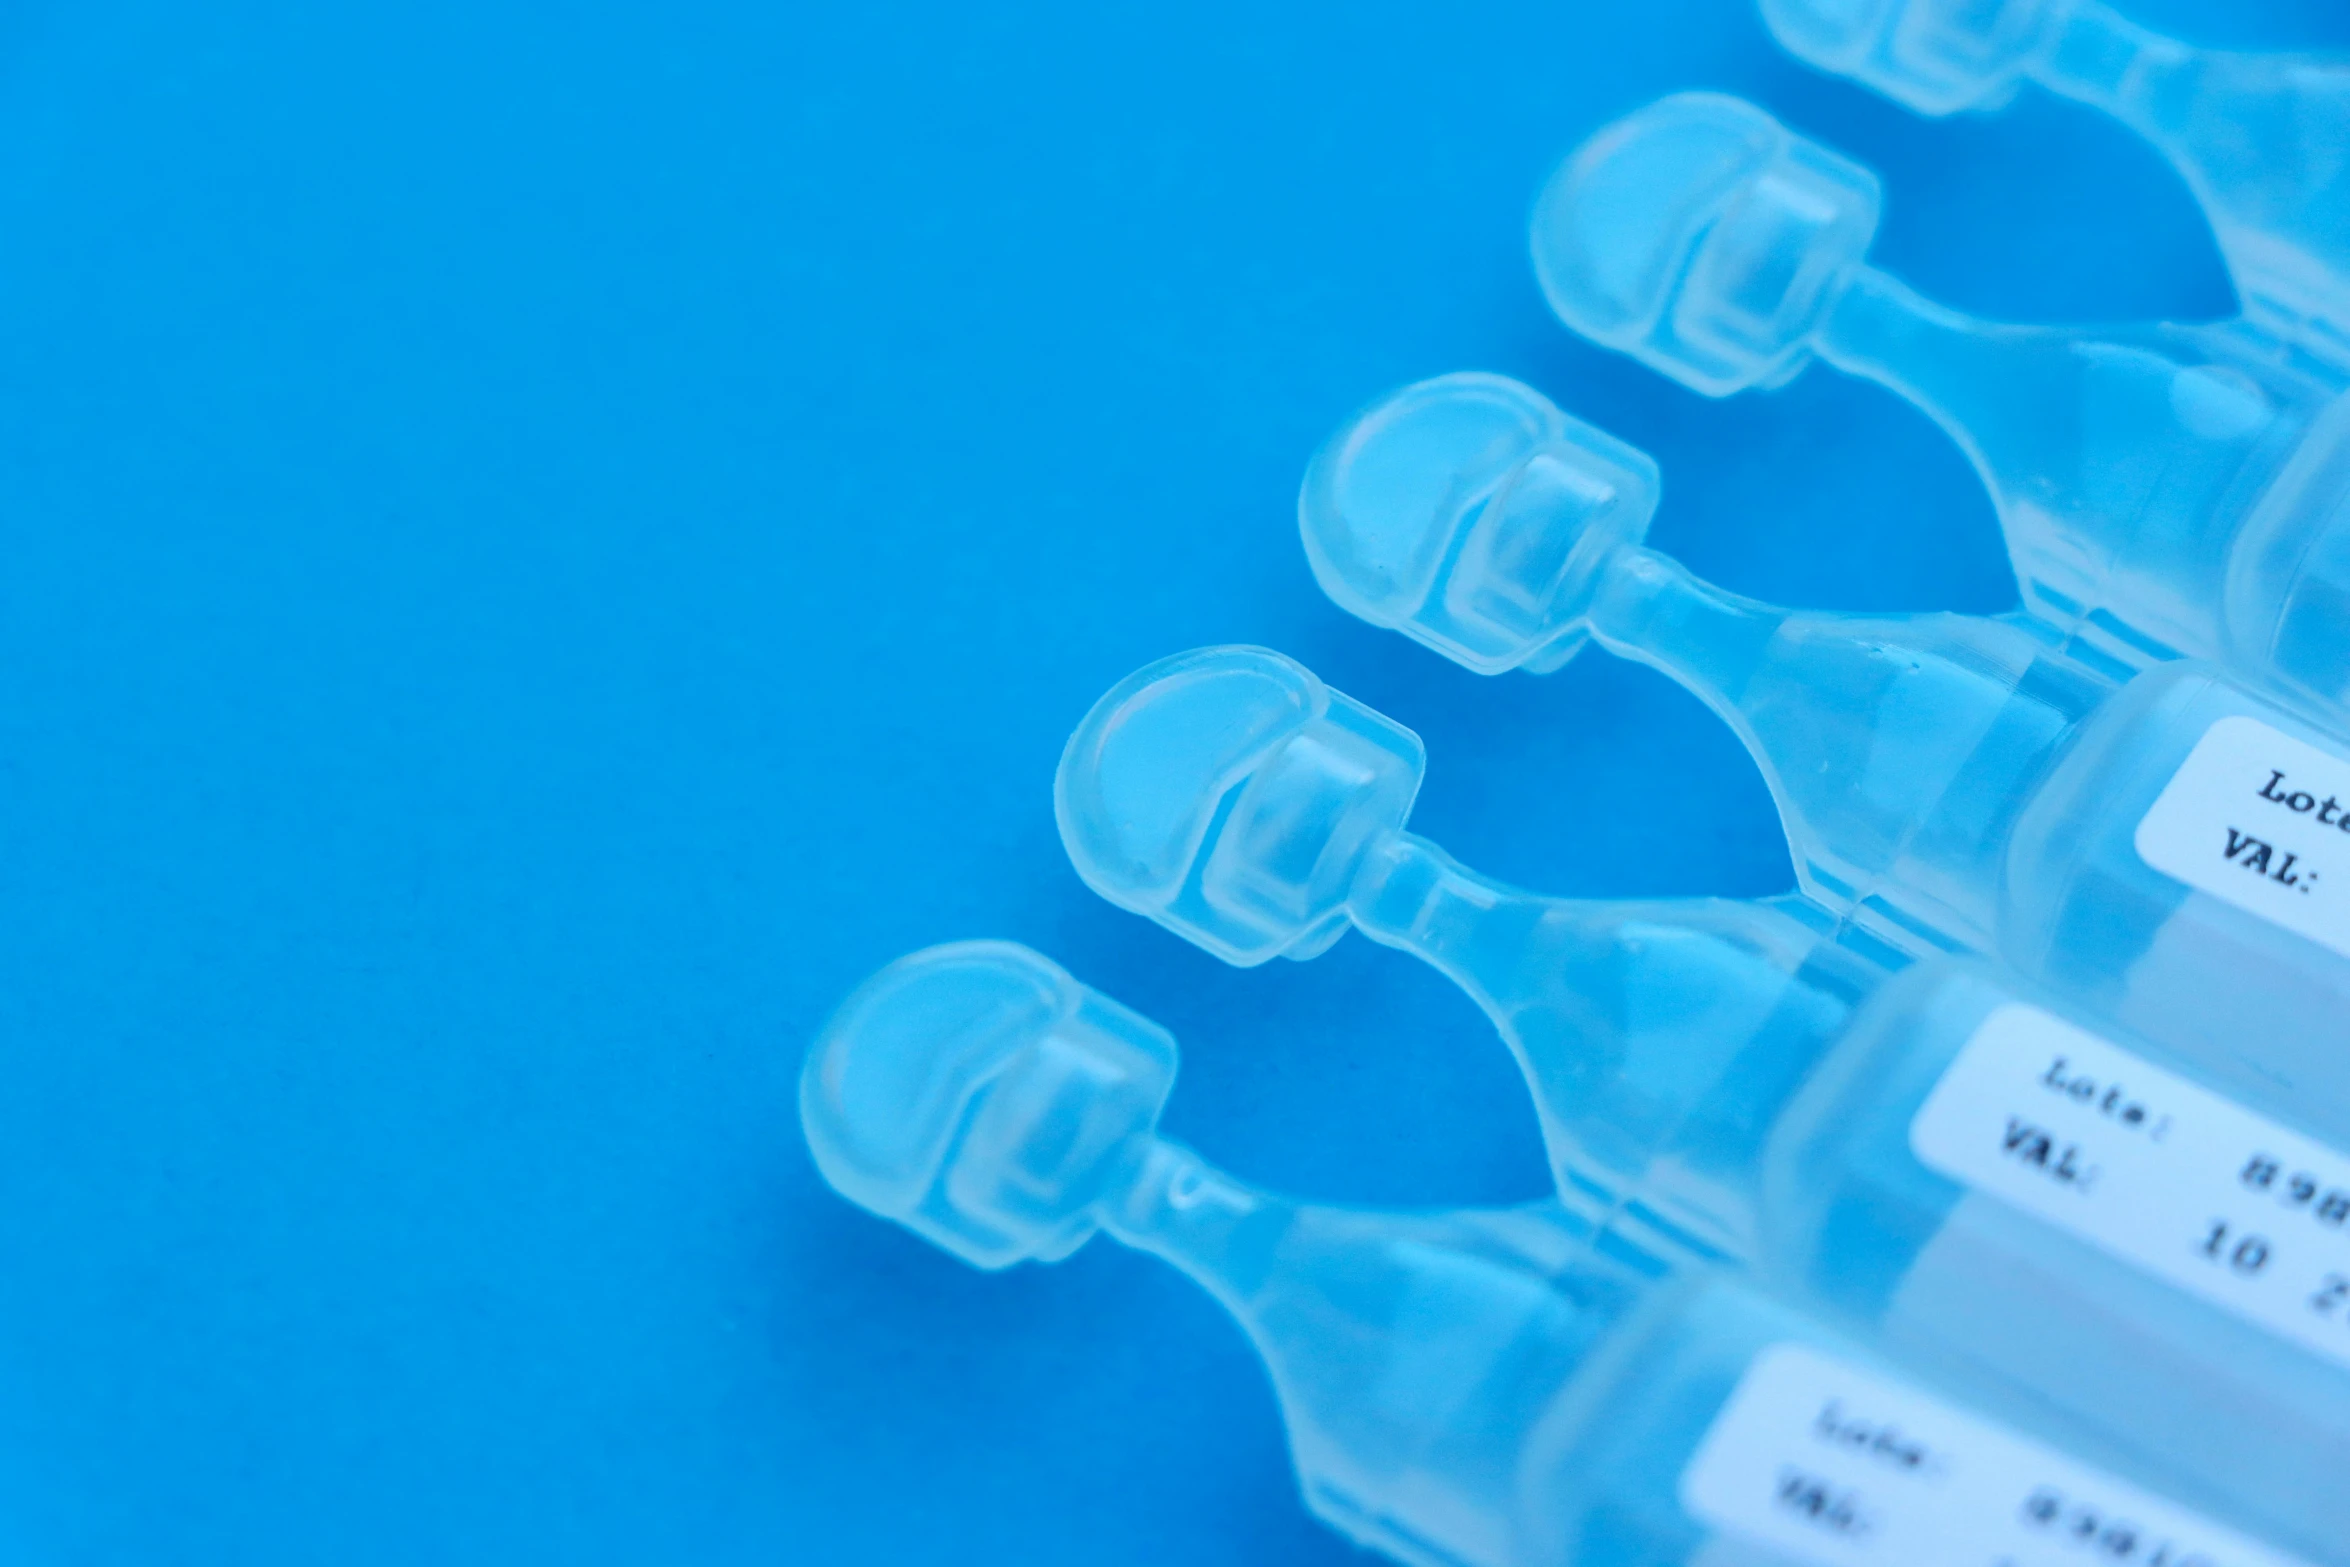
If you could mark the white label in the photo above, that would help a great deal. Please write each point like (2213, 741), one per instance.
(1835, 1467)
(2260, 820)
(2149, 1168)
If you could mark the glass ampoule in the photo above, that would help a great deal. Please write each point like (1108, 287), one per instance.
(2258, 137)
(1498, 1388)
(1933, 1153)
(2171, 851)
(2164, 491)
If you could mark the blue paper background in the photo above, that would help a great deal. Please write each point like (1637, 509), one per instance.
(545, 543)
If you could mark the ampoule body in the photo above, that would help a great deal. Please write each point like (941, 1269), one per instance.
(1933, 1154)
(1466, 1389)
(2164, 491)
(2171, 849)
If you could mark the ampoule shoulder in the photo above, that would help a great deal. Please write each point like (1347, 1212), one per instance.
(2078, 418)
(2119, 758)
(1849, 1118)
(1341, 1300)
(1413, 1356)
(2258, 138)
(1912, 741)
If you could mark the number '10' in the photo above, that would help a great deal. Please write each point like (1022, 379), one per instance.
(2246, 1254)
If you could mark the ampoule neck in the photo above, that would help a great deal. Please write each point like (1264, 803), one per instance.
(1885, 331)
(1220, 1231)
(1502, 946)
(1499, 942)
(1410, 894)
(1651, 608)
